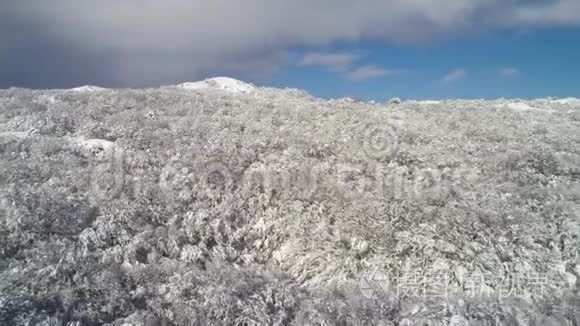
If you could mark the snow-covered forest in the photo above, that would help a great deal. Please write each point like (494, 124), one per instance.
(225, 203)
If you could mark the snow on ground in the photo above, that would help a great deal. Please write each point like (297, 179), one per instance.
(222, 83)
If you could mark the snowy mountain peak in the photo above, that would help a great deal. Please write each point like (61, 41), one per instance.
(88, 88)
(223, 83)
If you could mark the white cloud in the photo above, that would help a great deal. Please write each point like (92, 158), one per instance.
(199, 37)
(367, 72)
(341, 63)
(509, 72)
(556, 12)
(333, 61)
(454, 75)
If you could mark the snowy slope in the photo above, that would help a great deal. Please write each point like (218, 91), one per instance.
(218, 201)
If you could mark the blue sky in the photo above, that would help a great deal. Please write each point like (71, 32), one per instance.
(368, 49)
(503, 64)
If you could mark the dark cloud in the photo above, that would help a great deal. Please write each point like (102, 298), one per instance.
(62, 43)
(29, 57)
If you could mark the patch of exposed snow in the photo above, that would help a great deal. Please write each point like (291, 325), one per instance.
(520, 106)
(46, 99)
(14, 134)
(88, 88)
(424, 102)
(97, 142)
(97, 147)
(222, 83)
(429, 102)
(568, 100)
(516, 106)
